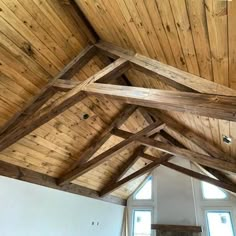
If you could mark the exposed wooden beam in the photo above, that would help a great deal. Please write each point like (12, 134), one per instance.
(196, 175)
(65, 85)
(60, 105)
(106, 134)
(189, 155)
(148, 157)
(47, 92)
(214, 173)
(101, 158)
(138, 152)
(201, 142)
(19, 173)
(177, 78)
(142, 171)
(125, 134)
(207, 170)
(215, 106)
(127, 165)
(182, 152)
(177, 228)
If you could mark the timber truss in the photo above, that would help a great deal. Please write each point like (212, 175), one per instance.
(193, 94)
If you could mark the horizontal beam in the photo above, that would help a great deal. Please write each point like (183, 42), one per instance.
(189, 155)
(142, 171)
(47, 92)
(201, 142)
(101, 158)
(60, 105)
(215, 106)
(196, 175)
(181, 152)
(19, 173)
(176, 78)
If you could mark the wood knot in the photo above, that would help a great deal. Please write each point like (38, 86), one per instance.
(27, 48)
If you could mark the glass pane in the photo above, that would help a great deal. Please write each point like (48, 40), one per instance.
(219, 223)
(212, 192)
(145, 192)
(142, 223)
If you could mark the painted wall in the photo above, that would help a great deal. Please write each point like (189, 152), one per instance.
(174, 196)
(31, 210)
(177, 199)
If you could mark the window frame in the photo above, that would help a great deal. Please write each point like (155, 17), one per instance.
(213, 199)
(141, 185)
(141, 209)
(217, 210)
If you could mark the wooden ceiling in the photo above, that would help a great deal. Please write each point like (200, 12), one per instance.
(194, 36)
(39, 38)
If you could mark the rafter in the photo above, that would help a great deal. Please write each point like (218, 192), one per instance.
(189, 155)
(47, 92)
(106, 134)
(196, 175)
(215, 106)
(182, 152)
(209, 148)
(138, 152)
(101, 158)
(63, 103)
(176, 78)
(142, 171)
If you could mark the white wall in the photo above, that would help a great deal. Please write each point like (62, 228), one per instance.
(31, 210)
(177, 199)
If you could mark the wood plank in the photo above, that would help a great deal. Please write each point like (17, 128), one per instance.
(216, 15)
(174, 77)
(189, 155)
(142, 171)
(138, 152)
(207, 170)
(46, 93)
(177, 228)
(34, 177)
(106, 134)
(101, 158)
(209, 148)
(215, 106)
(127, 165)
(63, 103)
(196, 175)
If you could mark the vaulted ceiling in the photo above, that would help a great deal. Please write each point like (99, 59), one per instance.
(39, 38)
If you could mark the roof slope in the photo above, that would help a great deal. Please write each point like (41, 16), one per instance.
(38, 38)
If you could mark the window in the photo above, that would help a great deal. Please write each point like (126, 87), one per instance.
(145, 192)
(219, 223)
(142, 223)
(212, 192)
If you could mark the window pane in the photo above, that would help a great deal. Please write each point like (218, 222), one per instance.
(219, 223)
(212, 192)
(145, 192)
(142, 223)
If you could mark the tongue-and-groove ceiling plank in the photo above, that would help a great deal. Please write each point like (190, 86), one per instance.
(37, 39)
(198, 35)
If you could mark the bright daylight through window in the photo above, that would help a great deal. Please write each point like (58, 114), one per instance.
(145, 192)
(212, 192)
(219, 223)
(142, 223)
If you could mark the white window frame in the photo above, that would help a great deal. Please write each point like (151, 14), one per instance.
(218, 209)
(140, 209)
